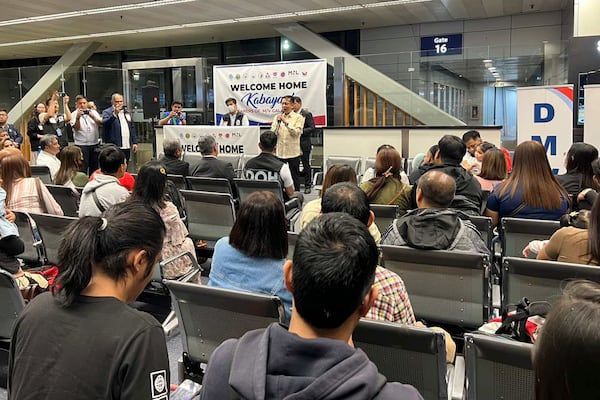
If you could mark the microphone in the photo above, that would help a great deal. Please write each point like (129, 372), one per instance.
(279, 121)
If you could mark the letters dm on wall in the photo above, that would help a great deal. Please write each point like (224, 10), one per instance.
(545, 114)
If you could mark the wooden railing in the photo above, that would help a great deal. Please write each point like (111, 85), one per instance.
(369, 109)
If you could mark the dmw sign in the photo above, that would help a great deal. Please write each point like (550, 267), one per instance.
(545, 114)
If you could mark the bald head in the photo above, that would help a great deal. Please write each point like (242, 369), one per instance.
(435, 190)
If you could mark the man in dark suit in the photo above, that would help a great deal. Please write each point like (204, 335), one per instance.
(171, 158)
(210, 166)
(305, 144)
(118, 126)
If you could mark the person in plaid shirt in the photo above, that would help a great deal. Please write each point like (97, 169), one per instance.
(392, 304)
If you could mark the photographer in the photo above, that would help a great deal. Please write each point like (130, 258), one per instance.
(85, 124)
(52, 121)
(175, 117)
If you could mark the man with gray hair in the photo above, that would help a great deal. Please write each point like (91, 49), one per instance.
(172, 157)
(118, 126)
(434, 226)
(50, 148)
(210, 166)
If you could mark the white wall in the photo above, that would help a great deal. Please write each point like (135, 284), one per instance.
(587, 15)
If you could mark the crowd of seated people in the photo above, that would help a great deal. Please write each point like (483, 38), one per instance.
(98, 277)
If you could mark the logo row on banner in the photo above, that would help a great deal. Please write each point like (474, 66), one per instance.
(258, 88)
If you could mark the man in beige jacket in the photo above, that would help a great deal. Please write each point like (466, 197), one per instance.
(288, 127)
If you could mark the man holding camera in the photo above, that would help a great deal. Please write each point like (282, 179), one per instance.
(85, 124)
(175, 117)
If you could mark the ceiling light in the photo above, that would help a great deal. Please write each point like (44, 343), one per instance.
(93, 11)
(487, 61)
(173, 27)
(492, 69)
(393, 3)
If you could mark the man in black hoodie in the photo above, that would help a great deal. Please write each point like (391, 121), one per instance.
(331, 280)
(468, 190)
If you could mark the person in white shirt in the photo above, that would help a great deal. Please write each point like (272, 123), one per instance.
(85, 124)
(234, 117)
(50, 148)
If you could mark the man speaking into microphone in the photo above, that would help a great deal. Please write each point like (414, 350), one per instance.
(118, 126)
(288, 127)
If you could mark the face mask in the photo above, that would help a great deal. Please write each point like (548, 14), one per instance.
(231, 108)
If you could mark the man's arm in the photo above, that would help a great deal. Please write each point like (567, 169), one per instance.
(145, 372)
(18, 137)
(286, 177)
(75, 119)
(309, 124)
(108, 117)
(245, 120)
(67, 110)
(165, 120)
(229, 171)
(133, 134)
(295, 125)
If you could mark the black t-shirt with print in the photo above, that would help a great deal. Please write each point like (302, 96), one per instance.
(98, 348)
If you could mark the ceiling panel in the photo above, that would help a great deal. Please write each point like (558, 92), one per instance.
(199, 11)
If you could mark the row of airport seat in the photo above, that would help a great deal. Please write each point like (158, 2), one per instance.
(492, 367)
(495, 367)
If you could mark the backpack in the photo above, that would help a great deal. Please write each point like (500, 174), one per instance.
(177, 199)
(515, 325)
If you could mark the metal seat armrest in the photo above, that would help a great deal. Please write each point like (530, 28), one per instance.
(456, 382)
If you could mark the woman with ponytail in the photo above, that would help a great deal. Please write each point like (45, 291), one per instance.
(83, 341)
(386, 187)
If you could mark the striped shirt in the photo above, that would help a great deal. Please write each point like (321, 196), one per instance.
(24, 197)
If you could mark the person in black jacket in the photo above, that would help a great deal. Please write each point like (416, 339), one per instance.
(305, 144)
(35, 130)
(468, 190)
(172, 158)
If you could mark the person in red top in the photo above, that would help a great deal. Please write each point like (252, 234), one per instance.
(127, 181)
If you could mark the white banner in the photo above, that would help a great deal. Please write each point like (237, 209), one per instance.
(591, 122)
(545, 114)
(258, 88)
(231, 139)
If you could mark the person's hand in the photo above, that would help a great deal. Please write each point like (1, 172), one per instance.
(66, 99)
(10, 216)
(584, 192)
(79, 113)
(118, 107)
(465, 164)
(134, 148)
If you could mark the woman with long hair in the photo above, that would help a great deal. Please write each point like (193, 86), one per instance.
(69, 174)
(35, 129)
(565, 354)
(97, 345)
(251, 258)
(386, 187)
(24, 193)
(531, 190)
(493, 169)
(578, 163)
(151, 189)
(335, 174)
